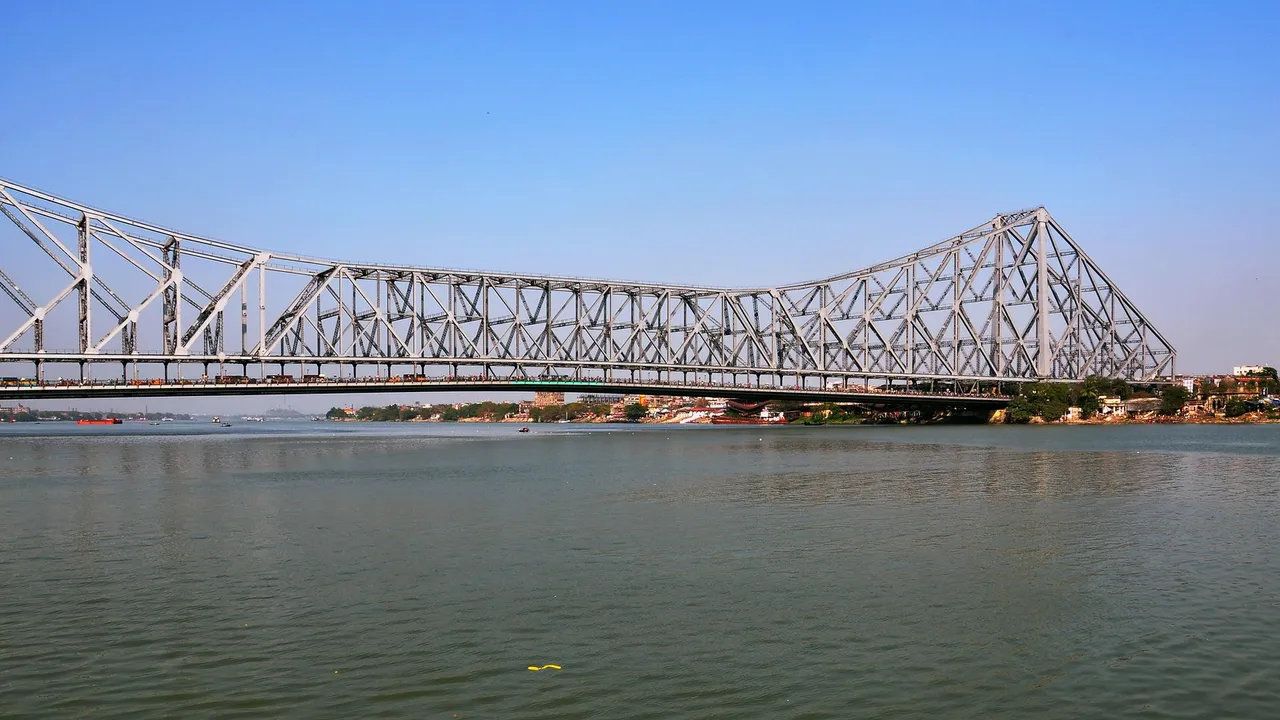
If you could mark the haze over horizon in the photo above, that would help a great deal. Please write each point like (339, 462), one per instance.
(728, 145)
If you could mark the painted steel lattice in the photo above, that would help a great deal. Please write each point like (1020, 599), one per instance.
(1014, 298)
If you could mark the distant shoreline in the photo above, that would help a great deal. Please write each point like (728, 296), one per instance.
(1037, 421)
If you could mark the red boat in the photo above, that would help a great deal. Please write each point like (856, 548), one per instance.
(108, 421)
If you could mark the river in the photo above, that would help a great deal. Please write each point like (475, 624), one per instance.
(317, 570)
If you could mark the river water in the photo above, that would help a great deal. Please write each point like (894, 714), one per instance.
(315, 570)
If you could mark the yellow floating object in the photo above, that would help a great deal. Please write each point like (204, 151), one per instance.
(535, 668)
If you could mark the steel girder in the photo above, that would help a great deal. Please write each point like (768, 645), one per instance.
(1014, 299)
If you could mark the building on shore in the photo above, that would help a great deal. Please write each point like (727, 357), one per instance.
(667, 401)
(595, 399)
(547, 399)
(1111, 406)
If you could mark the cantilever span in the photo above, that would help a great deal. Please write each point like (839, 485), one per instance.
(88, 294)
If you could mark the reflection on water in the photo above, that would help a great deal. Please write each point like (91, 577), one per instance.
(672, 572)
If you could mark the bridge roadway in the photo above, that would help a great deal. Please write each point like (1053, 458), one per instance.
(189, 388)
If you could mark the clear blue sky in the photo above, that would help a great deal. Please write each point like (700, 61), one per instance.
(731, 144)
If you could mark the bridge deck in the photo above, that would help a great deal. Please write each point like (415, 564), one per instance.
(151, 389)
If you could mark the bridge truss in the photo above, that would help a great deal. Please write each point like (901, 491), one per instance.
(1014, 299)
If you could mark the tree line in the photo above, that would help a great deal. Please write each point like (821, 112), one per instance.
(487, 410)
(1050, 400)
(394, 413)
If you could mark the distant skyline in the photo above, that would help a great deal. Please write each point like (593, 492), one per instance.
(726, 144)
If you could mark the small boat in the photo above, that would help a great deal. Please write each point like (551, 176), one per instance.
(108, 421)
(524, 429)
(167, 420)
(226, 424)
(155, 423)
(216, 419)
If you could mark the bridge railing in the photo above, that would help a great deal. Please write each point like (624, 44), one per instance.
(418, 383)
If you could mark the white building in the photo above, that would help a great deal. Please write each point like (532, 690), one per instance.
(1111, 406)
(1246, 369)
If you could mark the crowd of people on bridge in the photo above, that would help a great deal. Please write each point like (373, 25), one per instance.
(833, 386)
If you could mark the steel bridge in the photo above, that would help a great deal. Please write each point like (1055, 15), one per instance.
(127, 308)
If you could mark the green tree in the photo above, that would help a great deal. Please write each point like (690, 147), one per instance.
(1019, 411)
(1046, 400)
(1236, 407)
(336, 413)
(1089, 405)
(1172, 399)
(1049, 400)
(1111, 387)
(546, 413)
(634, 411)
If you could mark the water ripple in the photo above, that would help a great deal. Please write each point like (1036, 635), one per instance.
(700, 574)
